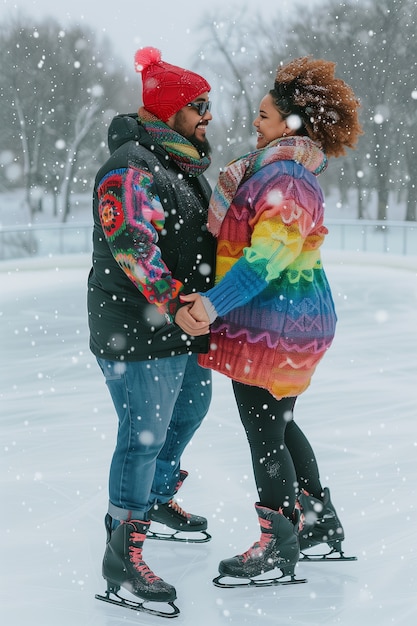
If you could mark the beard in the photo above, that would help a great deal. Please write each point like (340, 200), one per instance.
(203, 147)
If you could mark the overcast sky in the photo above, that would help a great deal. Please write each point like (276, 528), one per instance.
(170, 25)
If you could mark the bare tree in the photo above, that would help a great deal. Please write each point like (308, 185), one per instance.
(56, 87)
(374, 45)
(83, 122)
(229, 53)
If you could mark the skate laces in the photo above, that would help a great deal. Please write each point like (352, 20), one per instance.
(258, 548)
(176, 507)
(139, 564)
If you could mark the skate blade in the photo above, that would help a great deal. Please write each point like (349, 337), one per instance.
(333, 555)
(253, 582)
(179, 536)
(139, 607)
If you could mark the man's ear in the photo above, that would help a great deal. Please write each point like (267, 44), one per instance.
(171, 121)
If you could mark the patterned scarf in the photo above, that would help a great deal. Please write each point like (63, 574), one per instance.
(300, 149)
(185, 155)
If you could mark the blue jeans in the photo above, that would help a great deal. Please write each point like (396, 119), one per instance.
(160, 404)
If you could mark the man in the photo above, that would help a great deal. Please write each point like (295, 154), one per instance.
(150, 242)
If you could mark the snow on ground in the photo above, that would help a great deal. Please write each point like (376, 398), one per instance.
(57, 434)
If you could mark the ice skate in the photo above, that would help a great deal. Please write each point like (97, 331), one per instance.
(319, 524)
(123, 566)
(276, 548)
(184, 524)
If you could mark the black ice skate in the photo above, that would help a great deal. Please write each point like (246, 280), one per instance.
(319, 524)
(123, 566)
(276, 548)
(173, 516)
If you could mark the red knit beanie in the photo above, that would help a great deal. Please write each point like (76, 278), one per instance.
(166, 88)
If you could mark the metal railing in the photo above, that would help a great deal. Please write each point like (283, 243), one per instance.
(390, 237)
(45, 240)
(393, 237)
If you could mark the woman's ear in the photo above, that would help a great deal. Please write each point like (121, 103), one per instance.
(289, 131)
(292, 125)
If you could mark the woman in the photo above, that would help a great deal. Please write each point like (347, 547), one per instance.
(271, 311)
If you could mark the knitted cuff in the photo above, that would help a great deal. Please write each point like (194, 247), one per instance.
(236, 288)
(210, 309)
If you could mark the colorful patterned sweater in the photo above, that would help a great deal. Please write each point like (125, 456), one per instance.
(150, 241)
(276, 316)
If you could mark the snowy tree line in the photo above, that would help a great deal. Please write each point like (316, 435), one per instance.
(374, 45)
(59, 88)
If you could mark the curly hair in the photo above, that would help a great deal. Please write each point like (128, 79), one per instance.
(326, 105)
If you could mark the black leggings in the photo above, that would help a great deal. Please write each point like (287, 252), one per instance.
(282, 457)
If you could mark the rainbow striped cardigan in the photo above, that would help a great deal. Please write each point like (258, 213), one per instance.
(276, 316)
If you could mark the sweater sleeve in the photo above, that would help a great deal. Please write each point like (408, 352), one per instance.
(279, 230)
(131, 216)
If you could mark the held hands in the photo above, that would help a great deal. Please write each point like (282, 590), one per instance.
(192, 317)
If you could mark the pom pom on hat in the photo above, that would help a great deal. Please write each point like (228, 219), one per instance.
(146, 57)
(166, 88)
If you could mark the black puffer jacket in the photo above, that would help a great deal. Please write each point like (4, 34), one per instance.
(123, 324)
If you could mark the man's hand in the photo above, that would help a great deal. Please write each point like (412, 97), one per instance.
(192, 317)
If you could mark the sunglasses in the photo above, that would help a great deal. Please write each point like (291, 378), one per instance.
(202, 107)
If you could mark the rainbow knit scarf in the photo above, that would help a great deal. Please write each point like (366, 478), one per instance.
(300, 149)
(185, 155)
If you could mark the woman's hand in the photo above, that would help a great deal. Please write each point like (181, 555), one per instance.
(192, 317)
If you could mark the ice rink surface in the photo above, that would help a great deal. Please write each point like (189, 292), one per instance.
(57, 435)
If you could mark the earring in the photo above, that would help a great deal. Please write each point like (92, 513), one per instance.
(284, 134)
